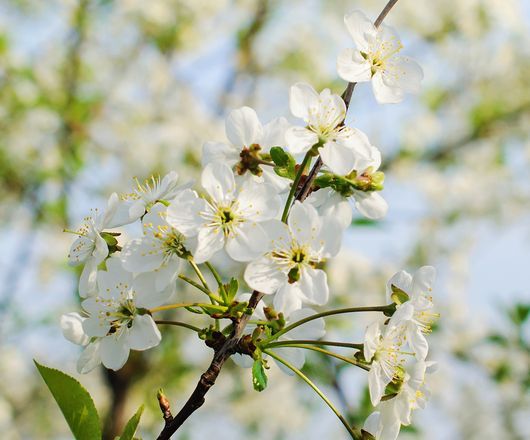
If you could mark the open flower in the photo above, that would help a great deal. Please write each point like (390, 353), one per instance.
(341, 148)
(90, 248)
(385, 346)
(231, 217)
(158, 253)
(416, 313)
(385, 423)
(249, 139)
(136, 203)
(290, 267)
(375, 58)
(117, 321)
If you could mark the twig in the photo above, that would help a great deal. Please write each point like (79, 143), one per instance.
(208, 378)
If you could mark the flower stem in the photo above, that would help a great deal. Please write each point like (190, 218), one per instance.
(182, 305)
(212, 296)
(199, 274)
(217, 278)
(309, 342)
(179, 324)
(383, 309)
(353, 431)
(294, 187)
(330, 353)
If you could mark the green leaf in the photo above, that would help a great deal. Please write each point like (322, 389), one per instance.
(132, 425)
(259, 378)
(74, 401)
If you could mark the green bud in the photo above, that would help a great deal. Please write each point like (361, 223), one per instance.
(378, 178)
(259, 378)
(293, 275)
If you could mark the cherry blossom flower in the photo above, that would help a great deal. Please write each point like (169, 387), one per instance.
(90, 248)
(117, 320)
(158, 253)
(290, 268)
(248, 140)
(341, 148)
(230, 216)
(136, 203)
(385, 423)
(375, 59)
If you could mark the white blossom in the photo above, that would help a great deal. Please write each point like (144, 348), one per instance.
(385, 423)
(342, 148)
(116, 320)
(289, 269)
(90, 248)
(375, 59)
(417, 313)
(157, 254)
(136, 203)
(231, 216)
(245, 132)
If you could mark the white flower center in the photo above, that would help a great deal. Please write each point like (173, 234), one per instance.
(380, 53)
(223, 217)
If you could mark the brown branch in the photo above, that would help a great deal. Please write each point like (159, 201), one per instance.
(229, 347)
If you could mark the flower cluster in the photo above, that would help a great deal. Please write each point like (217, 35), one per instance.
(249, 207)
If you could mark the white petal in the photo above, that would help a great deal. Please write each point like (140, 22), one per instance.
(122, 215)
(113, 281)
(331, 204)
(114, 352)
(304, 222)
(329, 240)
(264, 275)
(337, 157)
(183, 212)
(274, 134)
(417, 341)
(353, 67)
(405, 74)
(218, 181)
(386, 92)
(88, 278)
(143, 333)
(376, 384)
(148, 293)
(242, 361)
(258, 202)
(243, 127)
(423, 280)
(295, 357)
(314, 286)
(72, 327)
(314, 329)
(112, 207)
(300, 139)
(371, 339)
(370, 204)
(209, 241)
(280, 184)
(90, 358)
(303, 100)
(248, 242)
(80, 251)
(361, 29)
(288, 298)
(219, 152)
(278, 234)
(373, 424)
(94, 327)
(142, 255)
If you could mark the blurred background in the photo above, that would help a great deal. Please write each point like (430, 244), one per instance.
(94, 93)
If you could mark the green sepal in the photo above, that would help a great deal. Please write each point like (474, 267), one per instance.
(230, 290)
(285, 163)
(193, 310)
(398, 296)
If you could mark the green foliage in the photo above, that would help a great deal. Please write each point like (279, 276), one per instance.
(74, 401)
(132, 425)
(285, 163)
(230, 291)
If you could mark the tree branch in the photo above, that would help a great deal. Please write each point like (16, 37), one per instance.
(228, 348)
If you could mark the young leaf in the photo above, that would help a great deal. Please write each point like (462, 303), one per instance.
(231, 289)
(279, 157)
(132, 425)
(398, 296)
(259, 378)
(74, 401)
(285, 163)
